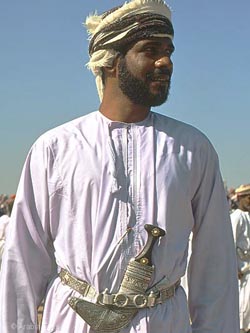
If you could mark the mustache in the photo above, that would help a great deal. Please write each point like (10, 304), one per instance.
(159, 72)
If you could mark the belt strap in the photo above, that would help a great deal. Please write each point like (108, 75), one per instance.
(120, 300)
(82, 287)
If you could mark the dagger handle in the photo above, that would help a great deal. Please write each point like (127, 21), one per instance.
(154, 232)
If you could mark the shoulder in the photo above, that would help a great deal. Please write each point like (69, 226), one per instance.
(176, 126)
(183, 134)
(64, 134)
(4, 219)
(237, 216)
(69, 128)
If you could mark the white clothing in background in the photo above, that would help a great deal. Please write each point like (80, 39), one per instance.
(241, 230)
(4, 221)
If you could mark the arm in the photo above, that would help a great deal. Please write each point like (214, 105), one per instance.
(28, 258)
(213, 288)
(240, 238)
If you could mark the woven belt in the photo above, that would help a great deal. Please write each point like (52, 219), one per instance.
(151, 298)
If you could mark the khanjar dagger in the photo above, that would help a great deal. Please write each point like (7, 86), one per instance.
(112, 312)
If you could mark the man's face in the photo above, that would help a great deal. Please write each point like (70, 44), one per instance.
(145, 71)
(244, 203)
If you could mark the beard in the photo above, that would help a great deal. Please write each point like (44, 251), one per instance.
(137, 90)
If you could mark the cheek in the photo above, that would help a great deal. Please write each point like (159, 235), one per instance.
(139, 67)
(135, 69)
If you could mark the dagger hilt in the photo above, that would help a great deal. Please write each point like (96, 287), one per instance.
(154, 232)
(140, 270)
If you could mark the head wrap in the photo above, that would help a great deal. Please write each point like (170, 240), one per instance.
(112, 31)
(243, 190)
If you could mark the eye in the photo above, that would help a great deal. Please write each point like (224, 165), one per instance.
(169, 52)
(154, 51)
(150, 49)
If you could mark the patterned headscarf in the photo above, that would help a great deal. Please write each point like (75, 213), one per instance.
(111, 32)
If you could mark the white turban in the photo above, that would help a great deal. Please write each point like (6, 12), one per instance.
(243, 190)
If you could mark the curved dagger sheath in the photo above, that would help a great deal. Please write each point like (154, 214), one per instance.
(106, 318)
(139, 271)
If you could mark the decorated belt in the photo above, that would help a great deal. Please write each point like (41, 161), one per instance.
(110, 312)
(121, 300)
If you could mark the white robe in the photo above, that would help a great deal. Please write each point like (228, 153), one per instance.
(82, 185)
(241, 230)
(4, 221)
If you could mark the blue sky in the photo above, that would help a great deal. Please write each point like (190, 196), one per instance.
(44, 81)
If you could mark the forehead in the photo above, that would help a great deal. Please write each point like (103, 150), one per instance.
(157, 41)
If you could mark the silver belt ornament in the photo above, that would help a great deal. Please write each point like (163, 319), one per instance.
(112, 312)
(244, 255)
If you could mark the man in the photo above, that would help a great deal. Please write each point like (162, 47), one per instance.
(241, 230)
(89, 189)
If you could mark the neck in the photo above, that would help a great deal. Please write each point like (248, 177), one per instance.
(122, 109)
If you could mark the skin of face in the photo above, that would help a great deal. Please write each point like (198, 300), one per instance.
(244, 203)
(144, 72)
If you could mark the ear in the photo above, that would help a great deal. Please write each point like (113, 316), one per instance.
(111, 71)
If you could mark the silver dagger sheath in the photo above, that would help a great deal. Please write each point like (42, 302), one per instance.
(105, 317)
(140, 269)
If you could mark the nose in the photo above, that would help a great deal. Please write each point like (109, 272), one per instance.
(164, 61)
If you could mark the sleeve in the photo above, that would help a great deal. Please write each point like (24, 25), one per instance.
(212, 273)
(28, 260)
(4, 220)
(240, 239)
(236, 225)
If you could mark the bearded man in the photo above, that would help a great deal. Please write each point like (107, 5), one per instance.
(106, 204)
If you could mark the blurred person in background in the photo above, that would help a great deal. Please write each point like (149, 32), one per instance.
(241, 229)
(232, 200)
(6, 209)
